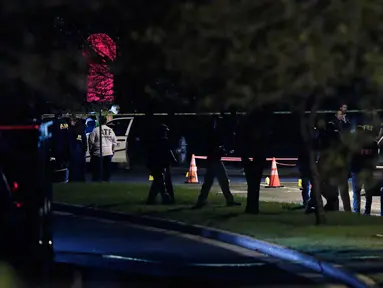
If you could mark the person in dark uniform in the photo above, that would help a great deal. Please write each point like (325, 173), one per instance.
(61, 145)
(159, 157)
(362, 166)
(254, 138)
(170, 159)
(215, 167)
(346, 120)
(341, 123)
(78, 147)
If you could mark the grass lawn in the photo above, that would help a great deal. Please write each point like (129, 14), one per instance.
(277, 222)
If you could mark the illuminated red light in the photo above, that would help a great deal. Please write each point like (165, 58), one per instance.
(100, 77)
(15, 186)
(19, 127)
(18, 205)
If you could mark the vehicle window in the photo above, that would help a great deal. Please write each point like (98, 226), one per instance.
(119, 126)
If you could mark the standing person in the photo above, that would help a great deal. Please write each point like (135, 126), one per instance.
(254, 140)
(109, 143)
(159, 159)
(61, 147)
(339, 121)
(78, 147)
(368, 130)
(343, 126)
(362, 166)
(182, 150)
(168, 160)
(215, 167)
(346, 121)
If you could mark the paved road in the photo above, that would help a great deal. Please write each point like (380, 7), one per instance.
(137, 249)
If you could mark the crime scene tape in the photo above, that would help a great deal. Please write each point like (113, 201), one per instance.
(238, 159)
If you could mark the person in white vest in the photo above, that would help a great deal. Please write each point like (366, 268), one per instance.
(109, 143)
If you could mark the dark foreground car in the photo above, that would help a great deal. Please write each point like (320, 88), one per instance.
(25, 195)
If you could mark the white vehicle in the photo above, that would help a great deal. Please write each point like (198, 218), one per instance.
(121, 127)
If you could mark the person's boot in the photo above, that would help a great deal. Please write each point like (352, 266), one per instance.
(367, 212)
(199, 205)
(309, 209)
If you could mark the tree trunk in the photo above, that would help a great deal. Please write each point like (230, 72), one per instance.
(320, 215)
(306, 129)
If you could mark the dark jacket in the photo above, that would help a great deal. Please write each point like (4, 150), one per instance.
(333, 160)
(347, 125)
(159, 154)
(366, 155)
(215, 145)
(329, 137)
(61, 139)
(78, 140)
(340, 125)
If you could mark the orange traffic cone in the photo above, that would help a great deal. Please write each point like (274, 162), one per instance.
(274, 177)
(192, 177)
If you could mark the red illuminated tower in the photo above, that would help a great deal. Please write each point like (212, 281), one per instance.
(100, 86)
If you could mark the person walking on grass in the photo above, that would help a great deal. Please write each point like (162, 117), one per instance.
(215, 167)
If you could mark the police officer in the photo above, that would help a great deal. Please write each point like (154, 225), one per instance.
(159, 159)
(109, 143)
(78, 146)
(60, 149)
(341, 123)
(362, 166)
(345, 119)
(168, 160)
(215, 167)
